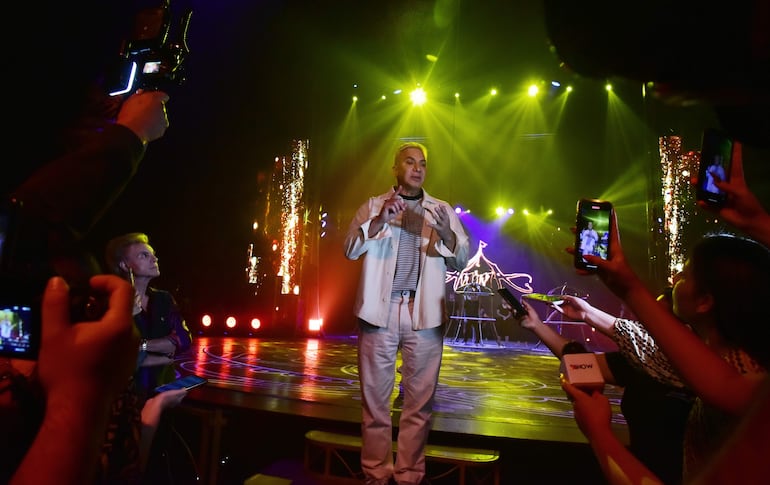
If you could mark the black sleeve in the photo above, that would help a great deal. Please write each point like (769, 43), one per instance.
(620, 367)
(73, 191)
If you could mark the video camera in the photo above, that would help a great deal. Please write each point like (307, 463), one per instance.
(153, 56)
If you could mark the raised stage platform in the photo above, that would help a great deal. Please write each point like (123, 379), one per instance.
(264, 394)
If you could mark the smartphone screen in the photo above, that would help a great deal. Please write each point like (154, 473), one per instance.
(19, 294)
(19, 331)
(186, 382)
(516, 306)
(715, 162)
(592, 234)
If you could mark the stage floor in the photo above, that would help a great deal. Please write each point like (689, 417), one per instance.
(488, 396)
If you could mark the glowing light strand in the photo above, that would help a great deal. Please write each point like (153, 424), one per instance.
(676, 187)
(292, 183)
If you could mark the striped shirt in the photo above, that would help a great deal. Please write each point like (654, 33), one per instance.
(408, 258)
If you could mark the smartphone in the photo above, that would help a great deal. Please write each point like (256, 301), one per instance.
(19, 330)
(19, 292)
(187, 382)
(516, 306)
(592, 231)
(716, 158)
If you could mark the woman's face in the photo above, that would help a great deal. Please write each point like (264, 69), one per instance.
(684, 294)
(689, 304)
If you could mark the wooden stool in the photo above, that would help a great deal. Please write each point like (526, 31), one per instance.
(477, 465)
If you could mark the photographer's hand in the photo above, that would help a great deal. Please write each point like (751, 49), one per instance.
(82, 366)
(144, 113)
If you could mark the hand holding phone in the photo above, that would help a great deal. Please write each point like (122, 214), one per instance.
(516, 307)
(715, 164)
(592, 231)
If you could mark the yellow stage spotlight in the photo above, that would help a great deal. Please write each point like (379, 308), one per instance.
(418, 97)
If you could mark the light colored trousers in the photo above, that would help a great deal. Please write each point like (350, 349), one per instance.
(421, 353)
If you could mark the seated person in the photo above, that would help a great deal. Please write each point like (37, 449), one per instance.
(164, 334)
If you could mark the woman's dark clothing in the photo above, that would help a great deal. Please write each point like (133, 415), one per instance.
(656, 415)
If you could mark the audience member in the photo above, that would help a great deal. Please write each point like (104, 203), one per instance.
(743, 458)
(87, 148)
(81, 368)
(65, 196)
(408, 239)
(164, 334)
(160, 322)
(722, 359)
(655, 412)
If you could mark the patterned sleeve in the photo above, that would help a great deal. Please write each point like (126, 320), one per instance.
(639, 347)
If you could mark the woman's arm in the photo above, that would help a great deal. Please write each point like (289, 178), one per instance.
(593, 414)
(706, 373)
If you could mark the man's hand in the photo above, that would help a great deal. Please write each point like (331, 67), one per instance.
(144, 113)
(442, 225)
(96, 357)
(392, 207)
